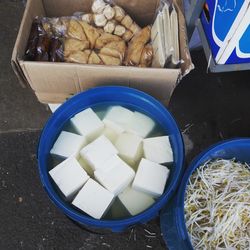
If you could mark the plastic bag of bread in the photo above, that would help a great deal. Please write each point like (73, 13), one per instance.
(36, 31)
(106, 35)
(79, 56)
(113, 19)
(147, 56)
(136, 46)
(42, 48)
(56, 53)
(56, 26)
(115, 49)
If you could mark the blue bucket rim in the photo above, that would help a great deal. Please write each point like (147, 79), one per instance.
(115, 224)
(195, 163)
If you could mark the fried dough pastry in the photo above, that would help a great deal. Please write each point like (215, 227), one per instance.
(91, 33)
(79, 57)
(94, 58)
(71, 45)
(136, 46)
(75, 30)
(110, 60)
(114, 49)
(106, 38)
(147, 56)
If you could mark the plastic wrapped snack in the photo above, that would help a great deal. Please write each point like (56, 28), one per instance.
(56, 26)
(56, 50)
(147, 56)
(36, 31)
(42, 48)
(106, 35)
(136, 46)
(79, 57)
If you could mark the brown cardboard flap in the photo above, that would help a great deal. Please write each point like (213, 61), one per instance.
(92, 76)
(55, 77)
(73, 78)
(159, 83)
(62, 97)
(33, 9)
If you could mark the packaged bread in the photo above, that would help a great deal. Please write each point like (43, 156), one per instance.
(127, 36)
(106, 38)
(134, 28)
(146, 56)
(100, 20)
(109, 12)
(56, 50)
(110, 60)
(119, 13)
(59, 26)
(79, 57)
(94, 58)
(114, 49)
(71, 45)
(136, 46)
(42, 48)
(100, 30)
(89, 18)
(120, 30)
(127, 21)
(91, 33)
(110, 26)
(47, 27)
(36, 30)
(75, 30)
(98, 6)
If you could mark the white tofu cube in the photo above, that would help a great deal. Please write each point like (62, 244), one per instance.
(69, 176)
(54, 106)
(158, 149)
(88, 124)
(116, 175)
(151, 178)
(140, 124)
(68, 144)
(112, 130)
(135, 201)
(86, 166)
(97, 152)
(93, 199)
(129, 147)
(119, 115)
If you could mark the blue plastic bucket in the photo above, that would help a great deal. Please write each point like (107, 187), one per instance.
(173, 224)
(127, 97)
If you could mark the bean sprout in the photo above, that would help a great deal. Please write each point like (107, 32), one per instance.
(217, 206)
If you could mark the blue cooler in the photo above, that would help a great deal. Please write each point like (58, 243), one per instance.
(241, 52)
(220, 20)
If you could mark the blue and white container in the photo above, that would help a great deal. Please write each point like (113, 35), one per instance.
(226, 25)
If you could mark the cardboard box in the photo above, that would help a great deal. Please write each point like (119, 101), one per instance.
(226, 26)
(55, 82)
